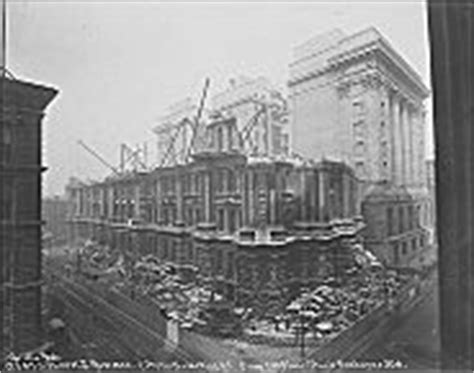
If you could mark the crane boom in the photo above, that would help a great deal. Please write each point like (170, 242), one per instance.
(98, 157)
(198, 115)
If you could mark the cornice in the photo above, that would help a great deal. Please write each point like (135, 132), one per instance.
(376, 47)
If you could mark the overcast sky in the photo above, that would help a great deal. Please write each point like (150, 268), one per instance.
(119, 64)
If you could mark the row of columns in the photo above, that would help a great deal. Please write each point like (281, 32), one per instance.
(407, 141)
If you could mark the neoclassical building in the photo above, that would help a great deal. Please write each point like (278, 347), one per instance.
(365, 105)
(364, 102)
(256, 228)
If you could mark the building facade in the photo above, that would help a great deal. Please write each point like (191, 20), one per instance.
(364, 102)
(394, 231)
(23, 106)
(256, 228)
(261, 114)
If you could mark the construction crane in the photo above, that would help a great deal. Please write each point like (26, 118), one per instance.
(127, 154)
(98, 157)
(182, 126)
(195, 126)
(244, 134)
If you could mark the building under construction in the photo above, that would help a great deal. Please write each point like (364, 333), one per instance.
(255, 227)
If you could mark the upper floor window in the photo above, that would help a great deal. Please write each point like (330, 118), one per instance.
(411, 218)
(220, 139)
(219, 260)
(231, 183)
(6, 143)
(390, 221)
(220, 180)
(6, 200)
(231, 137)
(220, 219)
(401, 223)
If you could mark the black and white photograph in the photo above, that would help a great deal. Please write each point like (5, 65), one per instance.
(236, 186)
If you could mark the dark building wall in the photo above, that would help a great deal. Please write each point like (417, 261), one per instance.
(452, 68)
(22, 106)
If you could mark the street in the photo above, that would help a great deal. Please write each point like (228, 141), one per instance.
(415, 341)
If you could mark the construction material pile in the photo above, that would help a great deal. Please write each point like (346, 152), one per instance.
(329, 310)
(165, 284)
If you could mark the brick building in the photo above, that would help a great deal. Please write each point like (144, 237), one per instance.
(257, 228)
(23, 106)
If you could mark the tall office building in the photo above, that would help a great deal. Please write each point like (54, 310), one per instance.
(362, 103)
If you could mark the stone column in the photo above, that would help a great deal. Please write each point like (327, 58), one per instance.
(207, 197)
(321, 195)
(313, 189)
(136, 197)
(422, 155)
(396, 159)
(408, 144)
(419, 145)
(403, 141)
(304, 206)
(251, 202)
(179, 197)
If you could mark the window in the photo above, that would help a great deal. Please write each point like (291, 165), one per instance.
(7, 195)
(219, 260)
(165, 249)
(220, 180)
(220, 219)
(390, 221)
(190, 252)
(197, 183)
(396, 253)
(189, 216)
(359, 148)
(357, 108)
(230, 264)
(404, 248)
(401, 225)
(220, 139)
(382, 124)
(232, 221)
(231, 181)
(6, 142)
(413, 244)
(410, 217)
(231, 137)
(359, 166)
(358, 128)
(382, 104)
(172, 182)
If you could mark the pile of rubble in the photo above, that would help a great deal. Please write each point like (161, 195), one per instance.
(329, 310)
(173, 289)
